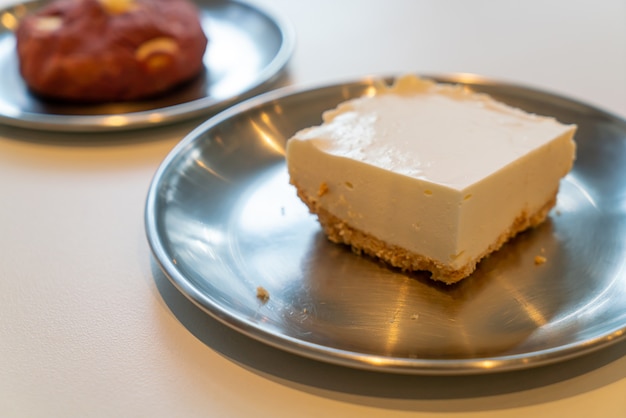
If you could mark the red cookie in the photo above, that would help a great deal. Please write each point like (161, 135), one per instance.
(110, 50)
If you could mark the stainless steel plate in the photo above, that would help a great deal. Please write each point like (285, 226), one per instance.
(247, 50)
(222, 219)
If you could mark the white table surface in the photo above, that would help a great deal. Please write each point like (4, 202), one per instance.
(89, 327)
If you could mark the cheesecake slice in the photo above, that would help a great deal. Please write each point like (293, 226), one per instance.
(429, 176)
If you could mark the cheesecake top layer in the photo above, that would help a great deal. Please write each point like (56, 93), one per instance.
(445, 134)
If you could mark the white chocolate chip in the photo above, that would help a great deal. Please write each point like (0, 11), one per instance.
(116, 7)
(48, 23)
(160, 45)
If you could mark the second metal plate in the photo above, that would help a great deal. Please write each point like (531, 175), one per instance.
(248, 48)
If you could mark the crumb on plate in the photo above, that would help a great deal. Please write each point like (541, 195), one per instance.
(262, 294)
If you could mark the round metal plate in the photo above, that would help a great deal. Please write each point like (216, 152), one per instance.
(248, 48)
(222, 219)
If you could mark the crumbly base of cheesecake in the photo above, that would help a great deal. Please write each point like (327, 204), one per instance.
(340, 232)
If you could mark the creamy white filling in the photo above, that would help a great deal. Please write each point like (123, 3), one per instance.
(435, 169)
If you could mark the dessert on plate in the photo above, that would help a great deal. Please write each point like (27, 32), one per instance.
(429, 176)
(110, 50)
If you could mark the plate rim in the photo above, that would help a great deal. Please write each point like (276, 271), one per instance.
(377, 363)
(167, 114)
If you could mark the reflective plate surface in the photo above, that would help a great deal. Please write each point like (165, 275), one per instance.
(222, 219)
(247, 50)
